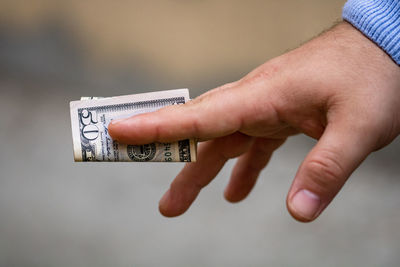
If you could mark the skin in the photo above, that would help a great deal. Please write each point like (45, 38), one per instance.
(339, 88)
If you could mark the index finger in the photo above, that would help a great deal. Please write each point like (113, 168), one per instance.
(214, 114)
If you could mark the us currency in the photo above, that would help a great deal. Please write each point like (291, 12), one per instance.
(91, 116)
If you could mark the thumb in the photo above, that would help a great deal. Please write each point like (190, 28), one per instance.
(326, 168)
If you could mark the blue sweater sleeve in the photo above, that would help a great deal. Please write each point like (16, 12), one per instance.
(379, 20)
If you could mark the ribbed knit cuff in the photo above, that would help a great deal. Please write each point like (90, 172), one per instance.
(379, 20)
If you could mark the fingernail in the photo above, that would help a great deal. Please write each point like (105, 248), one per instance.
(114, 122)
(306, 204)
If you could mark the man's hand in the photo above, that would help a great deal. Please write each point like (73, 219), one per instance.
(339, 88)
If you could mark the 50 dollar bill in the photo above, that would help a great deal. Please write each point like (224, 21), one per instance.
(91, 116)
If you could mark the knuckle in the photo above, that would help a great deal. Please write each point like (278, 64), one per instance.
(257, 165)
(262, 73)
(158, 133)
(225, 87)
(325, 172)
(234, 145)
(196, 126)
(209, 95)
(226, 153)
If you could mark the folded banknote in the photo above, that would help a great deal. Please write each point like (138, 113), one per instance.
(91, 116)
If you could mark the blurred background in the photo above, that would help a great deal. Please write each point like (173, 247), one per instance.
(54, 212)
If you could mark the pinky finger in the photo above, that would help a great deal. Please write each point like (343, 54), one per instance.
(248, 168)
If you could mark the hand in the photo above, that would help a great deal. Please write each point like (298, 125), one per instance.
(339, 88)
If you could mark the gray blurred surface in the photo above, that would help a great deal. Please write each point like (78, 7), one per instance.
(54, 212)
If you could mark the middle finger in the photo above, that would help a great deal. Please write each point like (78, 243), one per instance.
(194, 176)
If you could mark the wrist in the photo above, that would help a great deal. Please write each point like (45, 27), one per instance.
(379, 21)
